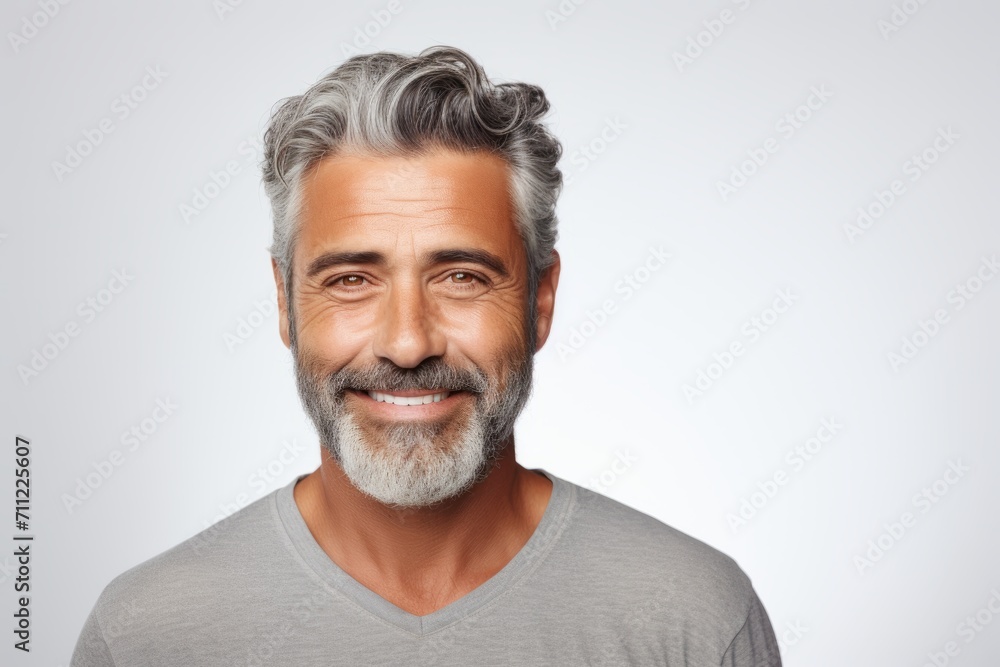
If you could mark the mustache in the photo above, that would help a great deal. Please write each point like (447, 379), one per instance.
(385, 376)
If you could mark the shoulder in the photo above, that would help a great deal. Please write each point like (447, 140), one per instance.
(641, 554)
(662, 591)
(196, 572)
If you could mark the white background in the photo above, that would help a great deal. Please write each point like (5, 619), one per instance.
(619, 394)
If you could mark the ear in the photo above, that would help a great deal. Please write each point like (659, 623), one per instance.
(545, 301)
(282, 304)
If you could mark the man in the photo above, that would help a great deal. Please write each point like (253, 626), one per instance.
(414, 231)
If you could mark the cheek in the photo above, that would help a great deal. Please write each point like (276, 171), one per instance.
(334, 333)
(486, 328)
(344, 331)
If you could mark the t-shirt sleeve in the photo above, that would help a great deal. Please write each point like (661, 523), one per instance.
(91, 648)
(755, 644)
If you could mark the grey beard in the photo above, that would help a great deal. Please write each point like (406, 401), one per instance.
(412, 466)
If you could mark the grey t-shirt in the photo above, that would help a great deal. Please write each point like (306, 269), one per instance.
(598, 583)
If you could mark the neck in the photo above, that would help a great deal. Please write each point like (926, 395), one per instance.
(424, 557)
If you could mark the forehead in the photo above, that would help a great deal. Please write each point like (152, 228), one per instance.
(398, 203)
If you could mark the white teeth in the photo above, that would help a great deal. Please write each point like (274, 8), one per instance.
(408, 400)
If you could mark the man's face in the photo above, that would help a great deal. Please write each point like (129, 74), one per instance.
(411, 341)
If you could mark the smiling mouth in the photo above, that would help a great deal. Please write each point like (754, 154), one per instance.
(414, 399)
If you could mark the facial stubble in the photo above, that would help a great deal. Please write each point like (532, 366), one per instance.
(416, 463)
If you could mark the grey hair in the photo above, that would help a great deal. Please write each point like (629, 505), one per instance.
(389, 104)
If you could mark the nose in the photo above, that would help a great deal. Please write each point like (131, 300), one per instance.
(407, 330)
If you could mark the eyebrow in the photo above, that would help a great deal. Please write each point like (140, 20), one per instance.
(451, 255)
(331, 259)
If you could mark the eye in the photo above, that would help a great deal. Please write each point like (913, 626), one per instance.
(350, 280)
(465, 279)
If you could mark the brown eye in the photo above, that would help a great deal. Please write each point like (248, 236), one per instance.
(466, 281)
(350, 281)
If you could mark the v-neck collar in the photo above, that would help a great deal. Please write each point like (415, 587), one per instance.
(533, 552)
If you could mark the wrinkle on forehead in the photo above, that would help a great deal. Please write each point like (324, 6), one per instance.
(365, 198)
